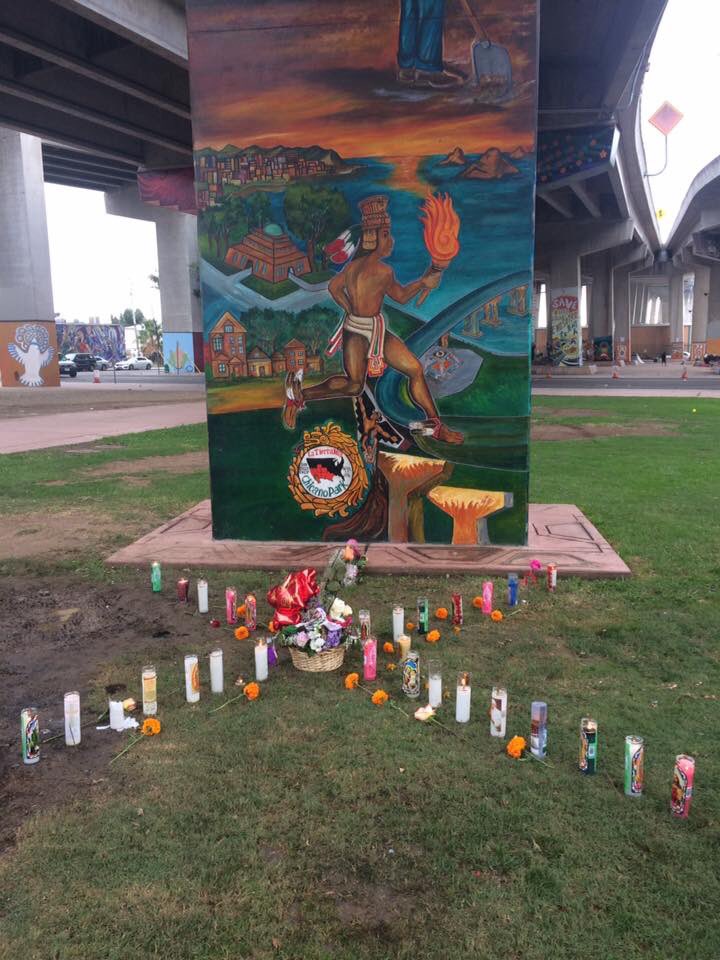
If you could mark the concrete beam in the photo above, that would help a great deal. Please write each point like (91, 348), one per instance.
(557, 203)
(584, 238)
(158, 25)
(581, 192)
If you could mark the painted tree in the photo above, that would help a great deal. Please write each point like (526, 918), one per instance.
(316, 215)
(258, 208)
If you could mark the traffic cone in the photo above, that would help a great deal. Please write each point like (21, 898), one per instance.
(96, 376)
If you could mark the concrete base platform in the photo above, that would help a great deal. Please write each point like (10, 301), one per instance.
(558, 533)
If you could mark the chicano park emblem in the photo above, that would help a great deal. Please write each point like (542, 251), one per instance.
(327, 474)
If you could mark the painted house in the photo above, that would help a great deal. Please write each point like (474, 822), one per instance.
(227, 349)
(269, 253)
(279, 364)
(295, 355)
(259, 363)
(314, 363)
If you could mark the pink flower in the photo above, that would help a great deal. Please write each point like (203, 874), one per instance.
(535, 566)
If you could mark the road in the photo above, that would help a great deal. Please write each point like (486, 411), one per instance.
(570, 384)
(150, 378)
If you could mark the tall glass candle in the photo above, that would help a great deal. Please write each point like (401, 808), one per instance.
(117, 715)
(512, 590)
(71, 705)
(487, 596)
(498, 711)
(261, 660)
(217, 682)
(30, 735)
(423, 615)
(231, 605)
(404, 643)
(588, 745)
(411, 675)
(183, 590)
(370, 658)
(634, 766)
(538, 728)
(682, 786)
(202, 596)
(457, 610)
(398, 623)
(192, 679)
(156, 576)
(364, 621)
(251, 612)
(149, 690)
(462, 698)
(434, 683)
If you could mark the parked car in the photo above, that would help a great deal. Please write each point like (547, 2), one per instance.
(83, 361)
(67, 368)
(102, 364)
(134, 363)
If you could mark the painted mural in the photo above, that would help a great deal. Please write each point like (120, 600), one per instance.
(365, 180)
(178, 352)
(99, 339)
(28, 355)
(565, 326)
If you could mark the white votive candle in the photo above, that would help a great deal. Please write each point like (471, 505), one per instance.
(72, 718)
(202, 596)
(434, 683)
(261, 660)
(217, 682)
(117, 715)
(462, 699)
(398, 623)
(192, 679)
(149, 691)
(498, 711)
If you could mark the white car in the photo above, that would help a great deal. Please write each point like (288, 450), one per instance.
(134, 363)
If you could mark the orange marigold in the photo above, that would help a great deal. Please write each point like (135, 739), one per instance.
(497, 616)
(409, 626)
(477, 603)
(271, 627)
(516, 747)
(433, 636)
(388, 647)
(252, 691)
(241, 610)
(380, 697)
(391, 666)
(441, 613)
(242, 633)
(352, 680)
(151, 726)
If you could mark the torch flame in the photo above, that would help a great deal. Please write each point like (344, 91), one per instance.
(441, 226)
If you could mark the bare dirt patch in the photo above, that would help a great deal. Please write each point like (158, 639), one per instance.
(570, 412)
(42, 534)
(30, 402)
(589, 431)
(57, 634)
(174, 463)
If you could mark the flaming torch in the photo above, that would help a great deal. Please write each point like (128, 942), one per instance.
(441, 226)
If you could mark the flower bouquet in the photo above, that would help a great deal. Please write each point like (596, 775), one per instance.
(315, 636)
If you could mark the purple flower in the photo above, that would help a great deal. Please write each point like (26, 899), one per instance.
(301, 639)
(333, 638)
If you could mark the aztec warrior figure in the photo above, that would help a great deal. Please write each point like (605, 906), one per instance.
(367, 345)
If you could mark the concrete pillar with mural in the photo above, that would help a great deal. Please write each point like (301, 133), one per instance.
(676, 314)
(28, 344)
(621, 314)
(564, 324)
(178, 271)
(713, 328)
(701, 304)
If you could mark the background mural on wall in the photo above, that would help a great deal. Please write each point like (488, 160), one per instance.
(99, 339)
(178, 352)
(365, 193)
(565, 326)
(28, 355)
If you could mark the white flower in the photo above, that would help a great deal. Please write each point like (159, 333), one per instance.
(317, 643)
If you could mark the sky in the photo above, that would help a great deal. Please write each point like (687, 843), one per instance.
(684, 69)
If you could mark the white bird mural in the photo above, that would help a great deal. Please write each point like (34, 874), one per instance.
(35, 354)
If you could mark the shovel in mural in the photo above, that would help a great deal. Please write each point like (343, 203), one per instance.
(491, 62)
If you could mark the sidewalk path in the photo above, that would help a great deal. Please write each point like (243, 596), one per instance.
(604, 391)
(64, 429)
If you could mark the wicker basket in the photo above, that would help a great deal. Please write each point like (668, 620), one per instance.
(318, 662)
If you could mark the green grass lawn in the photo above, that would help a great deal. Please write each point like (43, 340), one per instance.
(271, 291)
(311, 825)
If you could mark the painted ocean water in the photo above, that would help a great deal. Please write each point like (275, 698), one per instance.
(495, 239)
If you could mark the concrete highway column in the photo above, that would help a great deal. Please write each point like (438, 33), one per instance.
(564, 328)
(178, 260)
(25, 279)
(713, 329)
(621, 314)
(701, 302)
(676, 313)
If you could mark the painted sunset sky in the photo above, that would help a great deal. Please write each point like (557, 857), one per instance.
(336, 86)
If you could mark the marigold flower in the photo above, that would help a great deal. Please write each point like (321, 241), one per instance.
(391, 666)
(242, 633)
(409, 626)
(241, 610)
(252, 691)
(352, 680)
(456, 629)
(477, 603)
(441, 613)
(151, 726)
(433, 636)
(516, 747)
(497, 616)
(388, 647)
(380, 697)
(271, 627)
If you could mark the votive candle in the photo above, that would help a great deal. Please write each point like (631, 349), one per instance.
(251, 612)
(202, 596)
(398, 620)
(117, 715)
(370, 658)
(183, 590)
(156, 576)
(192, 678)
(487, 596)
(217, 682)
(434, 683)
(149, 690)
(512, 590)
(462, 698)
(538, 728)
(261, 660)
(403, 643)
(498, 711)
(231, 605)
(71, 707)
(364, 621)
